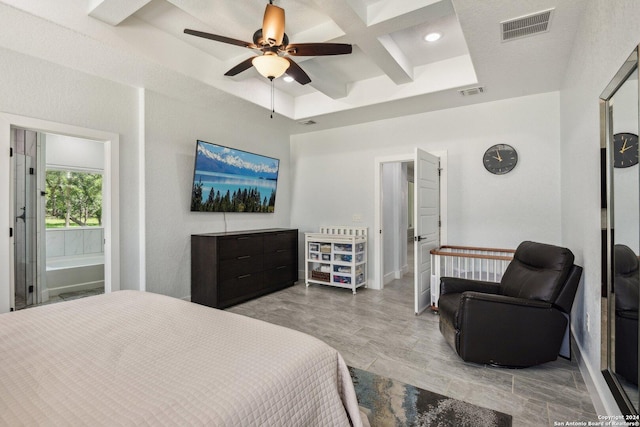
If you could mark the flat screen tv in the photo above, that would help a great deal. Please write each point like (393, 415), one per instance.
(230, 180)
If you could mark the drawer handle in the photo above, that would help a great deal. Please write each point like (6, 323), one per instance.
(281, 250)
(244, 276)
(281, 267)
(242, 238)
(244, 257)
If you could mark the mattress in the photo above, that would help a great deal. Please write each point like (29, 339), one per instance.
(136, 358)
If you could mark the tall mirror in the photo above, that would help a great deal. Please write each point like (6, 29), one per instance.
(621, 234)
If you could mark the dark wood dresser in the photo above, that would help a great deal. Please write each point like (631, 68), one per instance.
(233, 267)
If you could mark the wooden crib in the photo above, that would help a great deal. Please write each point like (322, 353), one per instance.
(467, 262)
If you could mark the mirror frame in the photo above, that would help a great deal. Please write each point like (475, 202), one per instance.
(629, 67)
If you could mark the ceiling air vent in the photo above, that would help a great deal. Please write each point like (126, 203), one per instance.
(526, 25)
(307, 122)
(471, 91)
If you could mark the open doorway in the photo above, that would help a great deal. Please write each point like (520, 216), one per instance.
(33, 290)
(398, 231)
(397, 221)
(58, 206)
(403, 241)
(72, 211)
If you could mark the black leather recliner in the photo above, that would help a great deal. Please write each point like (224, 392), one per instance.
(625, 289)
(518, 322)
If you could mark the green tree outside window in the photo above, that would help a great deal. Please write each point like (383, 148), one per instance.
(74, 199)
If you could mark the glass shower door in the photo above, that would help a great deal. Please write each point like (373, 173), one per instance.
(24, 144)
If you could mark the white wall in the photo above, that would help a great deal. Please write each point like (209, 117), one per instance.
(333, 170)
(608, 33)
(172, 128)
(68, 152)
(39, 89)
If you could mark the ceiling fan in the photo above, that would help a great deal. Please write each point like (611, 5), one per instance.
(272, 41)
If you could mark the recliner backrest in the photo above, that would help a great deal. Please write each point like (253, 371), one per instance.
(625, 278)
(538, 271)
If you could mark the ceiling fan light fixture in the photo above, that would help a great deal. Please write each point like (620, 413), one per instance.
(288, 79)
(270, 65)
(432, 37)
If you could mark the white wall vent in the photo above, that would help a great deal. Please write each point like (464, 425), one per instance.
(307, 122)
(526, 25)
(471, 91)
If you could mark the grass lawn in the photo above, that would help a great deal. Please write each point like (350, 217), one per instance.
(52, 222)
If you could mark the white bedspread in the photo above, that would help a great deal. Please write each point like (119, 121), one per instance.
(135, 358)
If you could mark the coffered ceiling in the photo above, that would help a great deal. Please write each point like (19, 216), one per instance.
(392, 71)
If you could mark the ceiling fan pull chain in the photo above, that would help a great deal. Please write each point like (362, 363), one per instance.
(273, 102)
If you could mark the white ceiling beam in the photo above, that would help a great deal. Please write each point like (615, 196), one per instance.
(113, 12)
(398, 72)
(383, 18)
(358, 33)
(325, 81)
(360, 8)
(386, 10)
(398, 57)
(431, 13)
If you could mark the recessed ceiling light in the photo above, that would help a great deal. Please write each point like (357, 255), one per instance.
(432, 37)
(287, 79)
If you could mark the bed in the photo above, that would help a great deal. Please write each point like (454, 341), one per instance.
(137, 358)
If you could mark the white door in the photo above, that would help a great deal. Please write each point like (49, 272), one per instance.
(427, 223)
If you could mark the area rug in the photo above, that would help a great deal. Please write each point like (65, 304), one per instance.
(388, 402)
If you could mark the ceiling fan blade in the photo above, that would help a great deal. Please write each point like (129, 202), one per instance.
(297, 73)
(218, 38)
(244, 65)
(318, 49)
(273, 25)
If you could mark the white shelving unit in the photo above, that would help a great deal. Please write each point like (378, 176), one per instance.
(337, 256)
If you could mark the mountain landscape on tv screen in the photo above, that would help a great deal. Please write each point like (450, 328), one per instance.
(214, 158)
(227, 180)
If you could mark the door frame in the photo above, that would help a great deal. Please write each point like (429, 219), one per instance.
(111, 206)
(378, 247)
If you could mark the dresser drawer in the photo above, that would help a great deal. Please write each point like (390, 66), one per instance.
(278, 258)
(278, 241)
(236, 246)
(284, 275)
(239, 266)
(240, 288)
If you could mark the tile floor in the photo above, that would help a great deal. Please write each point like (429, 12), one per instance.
(379, 332)
(66, 296)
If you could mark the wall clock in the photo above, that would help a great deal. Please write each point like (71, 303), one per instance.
(625, 150)
(500, 159)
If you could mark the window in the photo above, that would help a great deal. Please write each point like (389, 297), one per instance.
(74, 199)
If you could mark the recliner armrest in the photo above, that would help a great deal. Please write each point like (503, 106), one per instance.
(456, 285)
(503, 299)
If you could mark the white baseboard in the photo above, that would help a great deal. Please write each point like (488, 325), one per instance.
(389, 277)
(404, 270)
